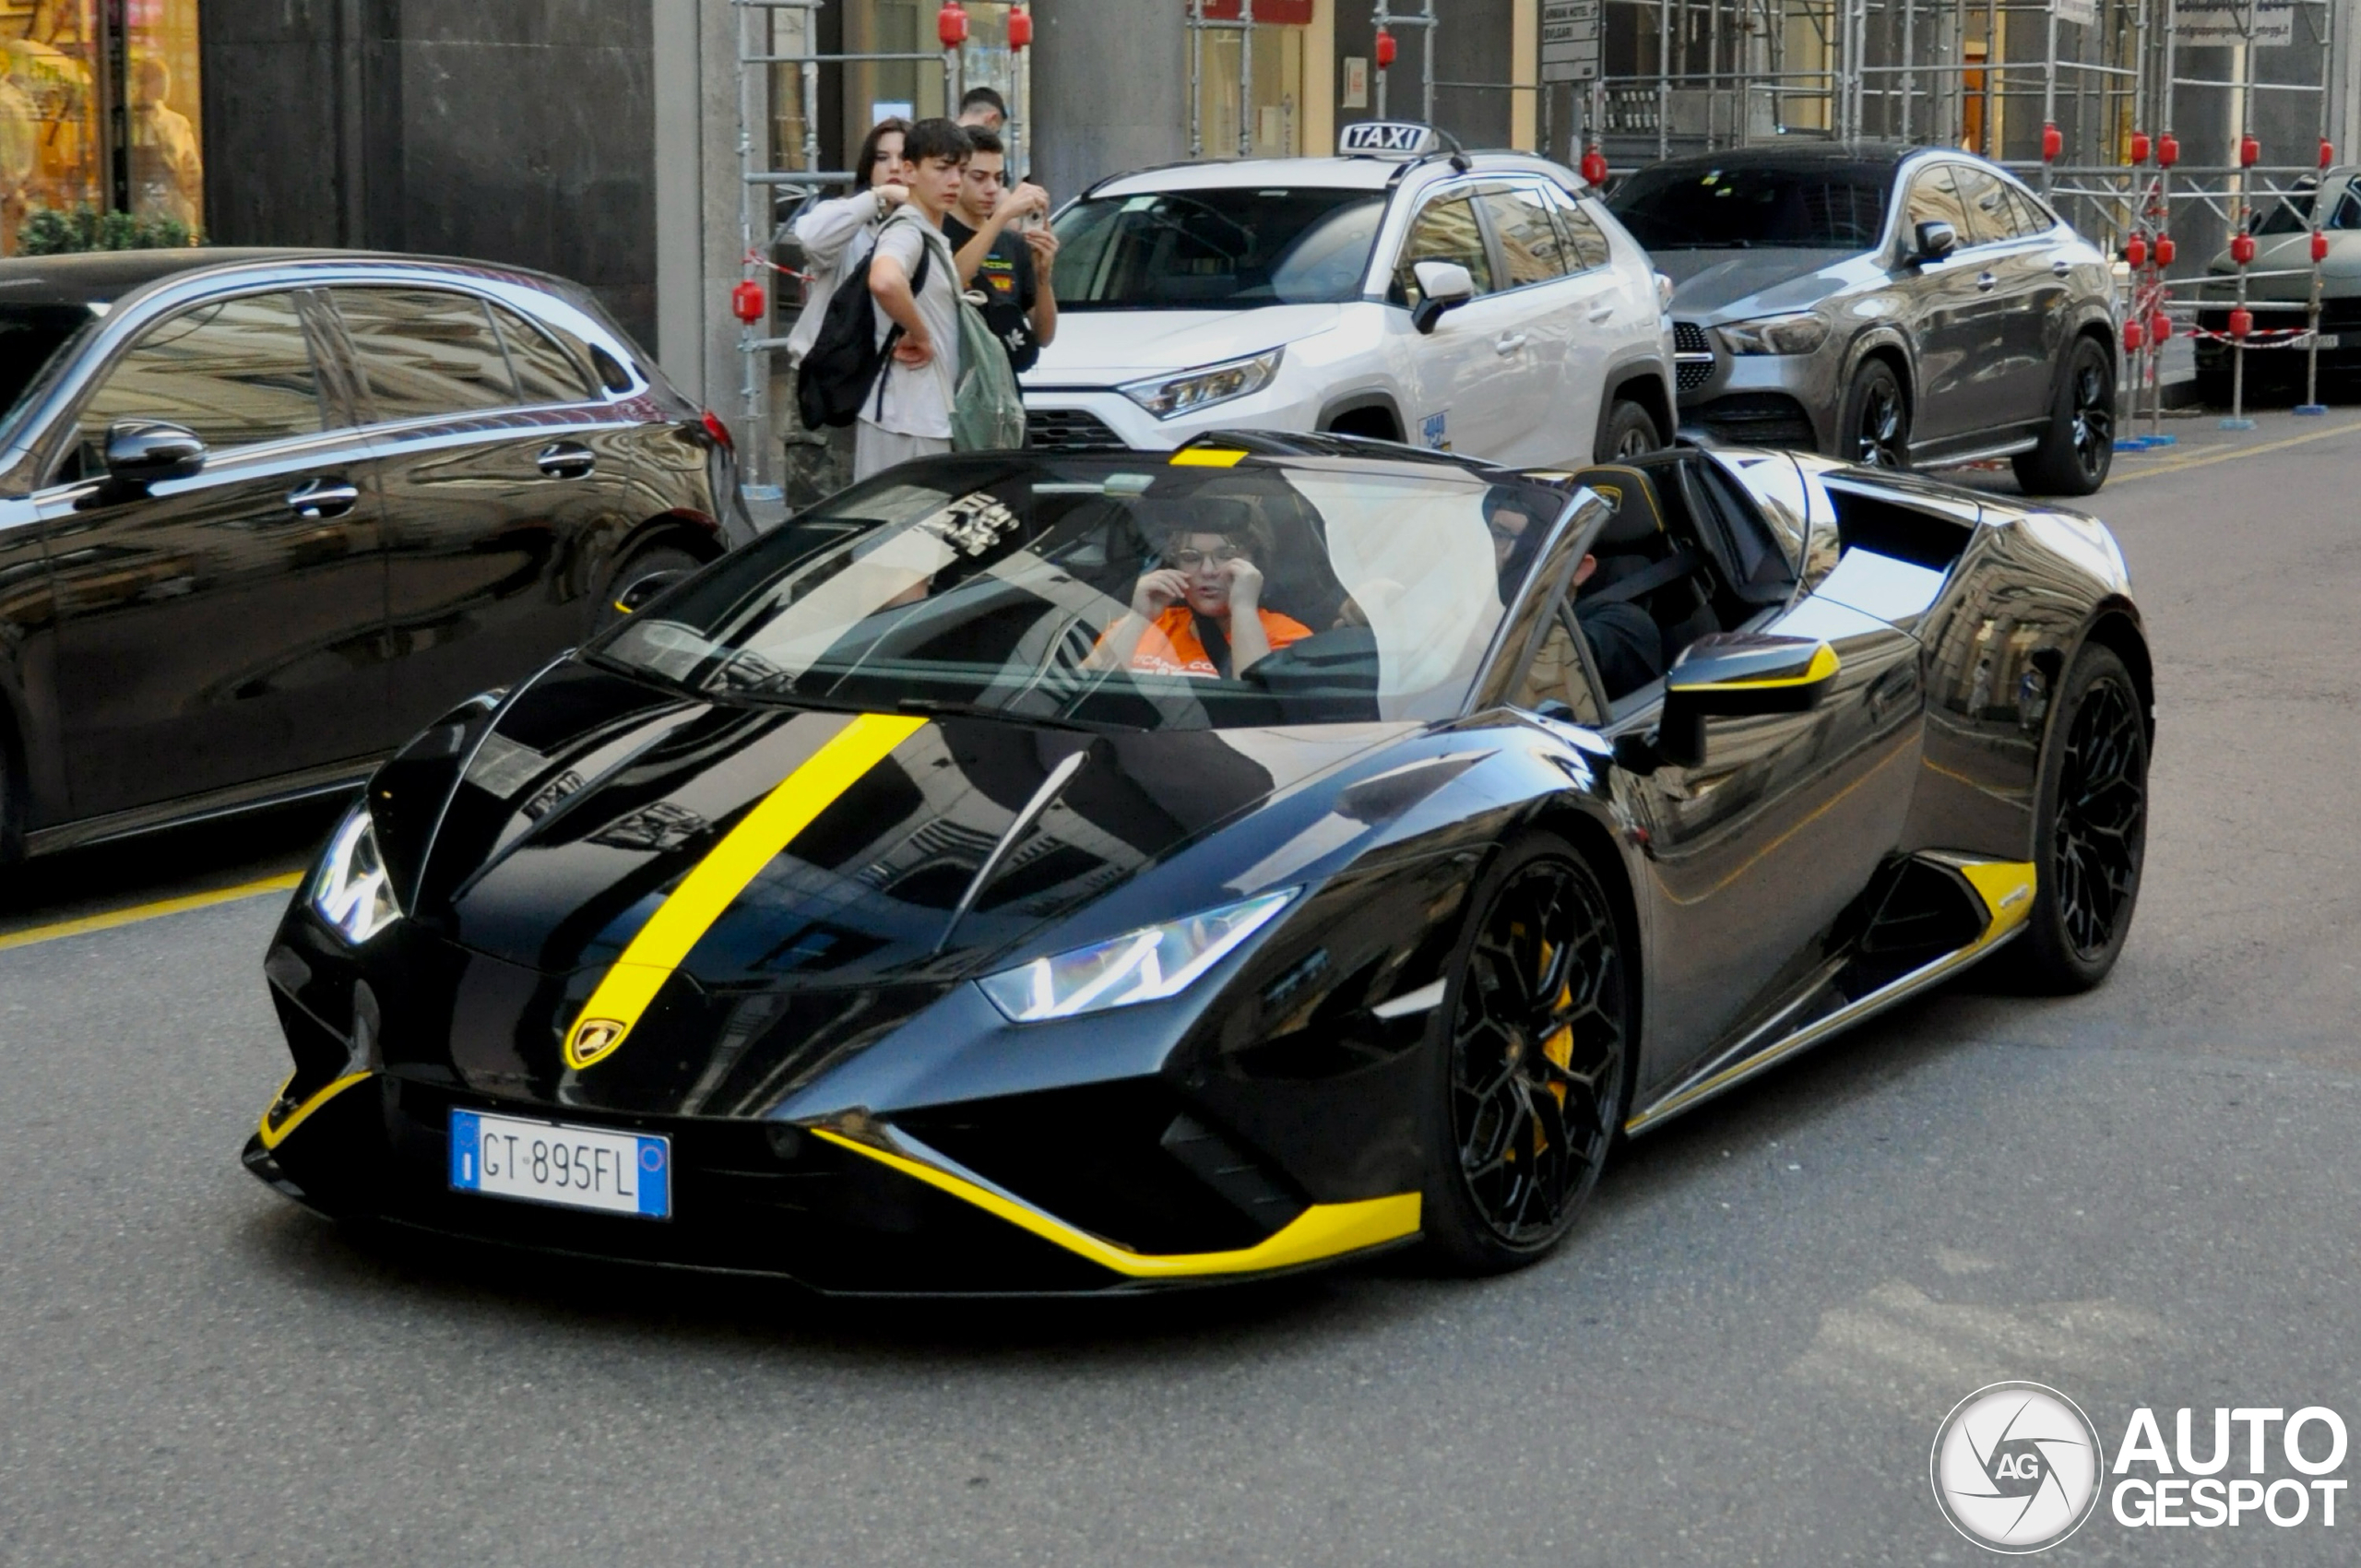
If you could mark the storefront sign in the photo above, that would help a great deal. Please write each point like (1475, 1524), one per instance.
(2222, 26)
(1281, 13)
(2082, 12)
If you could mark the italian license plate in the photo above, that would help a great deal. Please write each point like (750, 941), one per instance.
(547, 1162)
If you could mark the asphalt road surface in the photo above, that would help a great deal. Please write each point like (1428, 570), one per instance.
(2145, 1196)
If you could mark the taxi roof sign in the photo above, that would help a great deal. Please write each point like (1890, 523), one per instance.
(1388, 138)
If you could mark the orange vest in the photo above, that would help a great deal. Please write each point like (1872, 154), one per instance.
(1170, 644)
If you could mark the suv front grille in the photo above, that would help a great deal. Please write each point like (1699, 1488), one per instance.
(1070, 430)
(1693, 356)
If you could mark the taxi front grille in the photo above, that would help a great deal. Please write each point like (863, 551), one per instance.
(1693, 356)
(1070, 430)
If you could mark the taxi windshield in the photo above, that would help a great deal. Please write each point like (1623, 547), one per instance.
(1112, 593)
(1216, 249)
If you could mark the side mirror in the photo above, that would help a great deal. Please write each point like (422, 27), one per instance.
(1738, 676)
(1936, 240)
(144, 452)
(643, 591)
(1442, 285)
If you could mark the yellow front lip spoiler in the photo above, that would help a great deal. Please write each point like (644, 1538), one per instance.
(273, 1133)
(1319, 1234)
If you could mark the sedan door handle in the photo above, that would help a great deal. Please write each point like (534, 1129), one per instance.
(320, 499)
(1984, 282)
(1508, 342)
(565, 459)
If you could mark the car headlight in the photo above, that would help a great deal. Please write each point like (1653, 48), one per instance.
(351, 891)
(1164, 396)
(1140, 966)
(1798, 334)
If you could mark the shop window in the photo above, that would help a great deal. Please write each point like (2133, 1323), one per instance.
(63, 65)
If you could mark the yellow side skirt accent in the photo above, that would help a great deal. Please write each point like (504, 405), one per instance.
(1323, 1230)
(627, 989)
(273, 1137)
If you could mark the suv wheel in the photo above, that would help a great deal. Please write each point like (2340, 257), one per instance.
(1631, 432)
(1875, 424)
(658, 560)
(2078, 444)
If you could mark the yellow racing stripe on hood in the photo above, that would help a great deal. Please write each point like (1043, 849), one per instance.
(683, 918)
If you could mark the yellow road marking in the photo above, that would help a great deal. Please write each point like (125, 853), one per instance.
(2202, 460)
(139, 913)
(627, 989)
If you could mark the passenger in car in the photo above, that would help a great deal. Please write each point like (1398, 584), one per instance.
(1625, 644)
(1201, 615)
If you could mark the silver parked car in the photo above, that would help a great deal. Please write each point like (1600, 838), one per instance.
(2280, 272)
(1892, 304)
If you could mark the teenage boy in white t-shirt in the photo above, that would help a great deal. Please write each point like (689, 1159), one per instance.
(908, 415)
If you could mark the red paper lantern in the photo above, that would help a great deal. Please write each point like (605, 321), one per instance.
(2320, 247)
(2053, 142)
(2168, 150)
(747, 303)
(2135, 251)
(2328, 152)
(1385, 48)
(2241, 322)
(2134, 338)
(2163, 250)
(2242, 248)
(1020, 29)
(2139, 147)
(1593, 167)
(950, 24)
(2249, 152)
(2160, 327)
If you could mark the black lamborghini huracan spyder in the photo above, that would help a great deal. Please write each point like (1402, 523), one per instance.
(1058, 873)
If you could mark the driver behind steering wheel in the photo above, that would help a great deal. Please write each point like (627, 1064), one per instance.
(1200, 613)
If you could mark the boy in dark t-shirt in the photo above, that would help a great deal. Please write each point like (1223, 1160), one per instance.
(1011, 266)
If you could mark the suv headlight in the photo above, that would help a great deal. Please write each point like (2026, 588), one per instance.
(1798, 334)
(351, 891)
(1164, 396)
(1140, 966)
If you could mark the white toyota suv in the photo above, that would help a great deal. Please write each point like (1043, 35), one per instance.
(1478, 303)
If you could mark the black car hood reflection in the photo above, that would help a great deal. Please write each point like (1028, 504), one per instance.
(596, 794)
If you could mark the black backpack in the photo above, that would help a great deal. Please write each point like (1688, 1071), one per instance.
(842, 363)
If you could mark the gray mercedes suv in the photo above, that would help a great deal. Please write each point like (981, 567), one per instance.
(1892, 304)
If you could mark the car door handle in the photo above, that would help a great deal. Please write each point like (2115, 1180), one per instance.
(1508, 342)
(2061, 266)
(320, 499)
(1985, 282)
(565, 459)
(1600, 313)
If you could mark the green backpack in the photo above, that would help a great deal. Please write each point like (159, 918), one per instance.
(987, 412)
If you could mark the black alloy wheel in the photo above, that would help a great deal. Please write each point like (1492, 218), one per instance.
(2078, 446)
(1877, 419)
(1534, 1066)
(2091, 838)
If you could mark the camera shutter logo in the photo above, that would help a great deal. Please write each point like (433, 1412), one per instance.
(2016, 1467)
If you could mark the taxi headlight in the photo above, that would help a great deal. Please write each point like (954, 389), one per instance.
(350, 891)
(1798, 334)
(1141, 965)
(1164, 396)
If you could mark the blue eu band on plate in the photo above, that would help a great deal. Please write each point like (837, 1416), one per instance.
(574, 1167)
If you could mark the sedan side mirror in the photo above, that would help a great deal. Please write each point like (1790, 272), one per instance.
(144, 452)
(1936, 240)
(1738, 676)
(1442, 285)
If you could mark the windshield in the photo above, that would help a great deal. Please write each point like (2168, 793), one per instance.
(1832, 207)
(30, 336)
(1112, 592)
(2294, 214)
(1215, 249)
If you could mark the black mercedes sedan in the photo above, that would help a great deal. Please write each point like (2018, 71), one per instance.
(263, 513)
